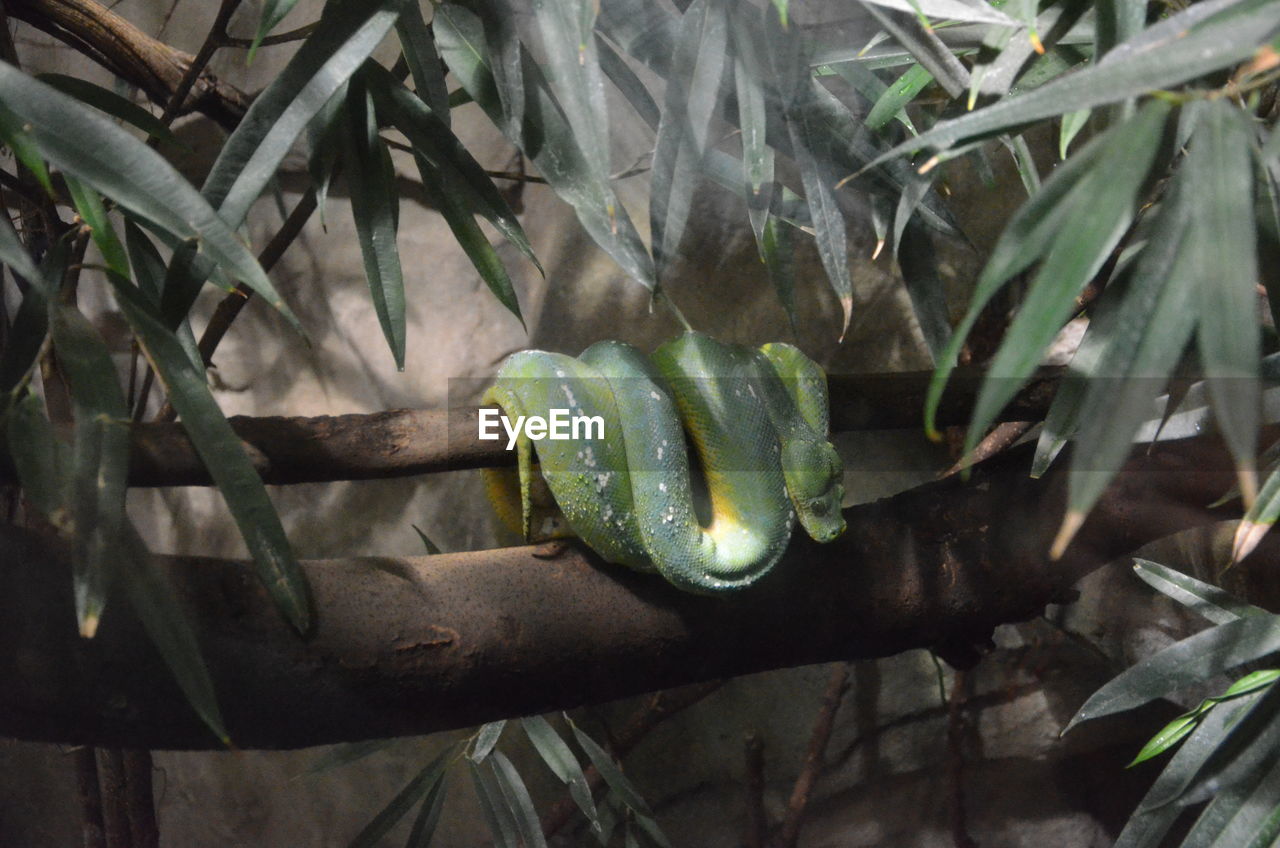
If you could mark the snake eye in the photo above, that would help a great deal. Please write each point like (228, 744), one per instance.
(818, 506)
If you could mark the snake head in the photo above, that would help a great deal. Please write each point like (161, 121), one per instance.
(815, 483)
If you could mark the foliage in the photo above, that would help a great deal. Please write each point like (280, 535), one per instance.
(1167, 205)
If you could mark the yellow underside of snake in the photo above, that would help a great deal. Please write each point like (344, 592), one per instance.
(757, 420)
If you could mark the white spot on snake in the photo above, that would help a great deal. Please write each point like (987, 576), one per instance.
(568, 393)
(559, 373)
(662, 487)
(660, 452)
(655, 395)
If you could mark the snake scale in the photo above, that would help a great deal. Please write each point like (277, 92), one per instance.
(757, 421)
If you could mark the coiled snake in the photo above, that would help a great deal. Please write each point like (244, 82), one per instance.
(757, 420)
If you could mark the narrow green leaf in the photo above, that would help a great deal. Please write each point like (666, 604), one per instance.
(419, 47)
(1099, 217)
(1147, 827)
(952, 10)
(1118, 21)
(485, 739)
(100, 455)
(325, 132)
(14, 254)
(155, 601)
(1190, 661)
(650, 827)
(108, 101)
(892, 104)
(41, 460)
(1072, 123)
(757, 156)
(26, 339)
(1223, 253)
(424, 826)
(1024, 239)
(248, 161)
(1251, 682)
(497, 815)
(561, 760)
(609, 770)
(15, 134)
(373, 202)
(148, 266)
(776, 250)
(697, 67)
(458, 171)
(1208, 601)
(1168, 736)
(91, 147)
(1244, 816)
(462, 42)
(574, 68)
(872, 89)
(517, 796)
(273, 12)
(1186, 47)
(88, 204)
(919, 266)
(415, 790)
(223, 454)
(1259, 519)
(346, 753)
(432, 547)
(927, 49)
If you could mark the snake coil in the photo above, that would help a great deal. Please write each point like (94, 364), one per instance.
(757, 420)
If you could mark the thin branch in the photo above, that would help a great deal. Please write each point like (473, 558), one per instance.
(213, 40)
(815, 756)
(111, 779)
(92, 830)
(140, 798)
(960, 837)
(299, 34)
(757, 821)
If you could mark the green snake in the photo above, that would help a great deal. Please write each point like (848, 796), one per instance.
(756, 418)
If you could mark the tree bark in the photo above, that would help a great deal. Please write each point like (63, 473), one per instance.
(416, 645)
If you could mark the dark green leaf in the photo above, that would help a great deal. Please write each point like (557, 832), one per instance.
(26, 339)
(560, 759)
(1185, 48)
(462, 42)
(325, 132)
(344, 38)
(113, 104)
(273, 12)
(1072, 123)
(892, 104)
(518, 800)
(41, 460)
(432, 547)
(90, 146)
(348, 752)
(572, 64)
(16, 135)
(1223, 255)
(1097, 219)
(420, 54)
(610, 772)
(148, 266)
(1246, 815)
(223, 454)
(424, 826)
(485, 739)
(100, 455)
(757, 156)
(423, 783)
(497, 815)
(1209, 601)
(926, 47)
(1184, 663)
(14, 254)
(952, 10)
(776, 250)
(88, 204)
(919, 267)
(697, 67)
(373, 203)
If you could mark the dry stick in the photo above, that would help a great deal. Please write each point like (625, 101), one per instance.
(140, 798)
(660, 707)
(111, 780)
(1002, 437)
(813, 760)
(86, 767)
(955, 763)
(757, 823)
(229, 307)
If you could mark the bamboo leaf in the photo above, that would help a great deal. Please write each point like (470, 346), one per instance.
(346, 753)
(91, 147)
(698, 64)
(1185, 47)
(432, 547)
(15, 134)
(1094, 225)
(26, 339)
(486, 738)
(424, 826)
(952, 10)
(497, 815)
(609, 770)
(223, 454)
(273, 12)
(1168, 736)
(892, 104)
(419, 47)
(41, 460)
(927, 49)
(1243, 816)
(518, 800)
(560, 759)
(155, 601)
(1194, 659)
(88, 204)
(145, 260)
(757, 156)
(14, 254)
(422, 784)
(342, 41)
(112, 104)
(1208, 601)
(100, 455)
(1223, 252)
(462, 42)
(1259, 519)
(567, 28)
(373, 207)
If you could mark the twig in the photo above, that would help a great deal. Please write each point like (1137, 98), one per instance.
(814, 757)
(1002, 437)
(212, 42)
(757, 821)
(299, 34)
(955, 762)
(91, 827)
(660, 707)
(140, 798)
(112, 782)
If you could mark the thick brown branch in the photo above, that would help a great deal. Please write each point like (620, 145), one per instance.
(133, 55)
(401, 443)
(410, 646)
